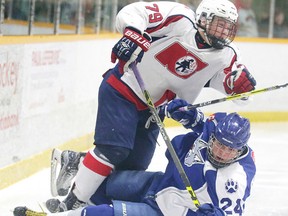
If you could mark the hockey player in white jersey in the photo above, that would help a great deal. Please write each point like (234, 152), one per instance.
(216, 159)
(178, 54)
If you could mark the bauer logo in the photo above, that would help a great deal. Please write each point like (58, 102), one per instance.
(179, 61)
(141, 41)
(231, 186)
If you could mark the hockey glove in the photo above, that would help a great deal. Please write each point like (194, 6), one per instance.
(239, 81)
(209, 209)
(130, 48)
(193, 118)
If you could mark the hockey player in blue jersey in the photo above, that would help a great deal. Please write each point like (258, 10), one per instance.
(216, 158)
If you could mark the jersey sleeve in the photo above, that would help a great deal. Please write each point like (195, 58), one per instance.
(173, 201)
(233, 61)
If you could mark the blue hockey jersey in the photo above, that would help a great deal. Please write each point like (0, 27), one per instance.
(227, 188)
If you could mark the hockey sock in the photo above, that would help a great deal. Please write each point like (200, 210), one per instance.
(92, 172)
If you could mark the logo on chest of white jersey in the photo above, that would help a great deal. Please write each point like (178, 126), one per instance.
(180, 61)
(231, 186)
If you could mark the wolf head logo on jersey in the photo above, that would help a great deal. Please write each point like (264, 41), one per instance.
(186, 65)
(231, 186)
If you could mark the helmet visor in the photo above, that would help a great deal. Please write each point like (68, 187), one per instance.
(220, 32)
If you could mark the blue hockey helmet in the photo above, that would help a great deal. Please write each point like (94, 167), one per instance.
(229, 140)
(233, 131)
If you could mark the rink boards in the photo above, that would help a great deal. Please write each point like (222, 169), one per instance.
(49, 86)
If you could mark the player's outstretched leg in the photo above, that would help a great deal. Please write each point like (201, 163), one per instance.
(24, 211)
(69, 166)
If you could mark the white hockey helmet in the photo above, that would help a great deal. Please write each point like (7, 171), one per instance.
(222, 30)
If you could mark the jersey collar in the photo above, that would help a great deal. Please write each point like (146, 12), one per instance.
(201, 44)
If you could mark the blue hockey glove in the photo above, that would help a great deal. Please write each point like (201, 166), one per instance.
(193, 118)
(130, 48)
(209, 209)
(239, 81)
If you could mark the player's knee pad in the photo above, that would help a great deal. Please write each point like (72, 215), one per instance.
(115, 154)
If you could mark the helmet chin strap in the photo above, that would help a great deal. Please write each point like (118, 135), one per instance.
(203, 34)
(206, 38)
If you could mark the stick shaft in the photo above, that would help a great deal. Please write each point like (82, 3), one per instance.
(165, 136)
(236, 96)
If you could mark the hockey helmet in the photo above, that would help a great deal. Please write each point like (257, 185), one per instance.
(231, 136)
(218, 20)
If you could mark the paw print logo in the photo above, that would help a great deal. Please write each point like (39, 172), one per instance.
(231, 186)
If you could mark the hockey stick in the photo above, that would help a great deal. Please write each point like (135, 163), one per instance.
(165, 136)
(236, 96)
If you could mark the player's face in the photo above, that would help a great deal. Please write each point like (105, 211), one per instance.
(222, 153)
(222, 29)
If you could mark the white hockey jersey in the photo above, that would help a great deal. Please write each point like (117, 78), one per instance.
(176, 63)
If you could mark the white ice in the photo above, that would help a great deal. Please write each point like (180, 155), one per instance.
(269, 195)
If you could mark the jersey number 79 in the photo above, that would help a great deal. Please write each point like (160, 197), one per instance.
(156, 16)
